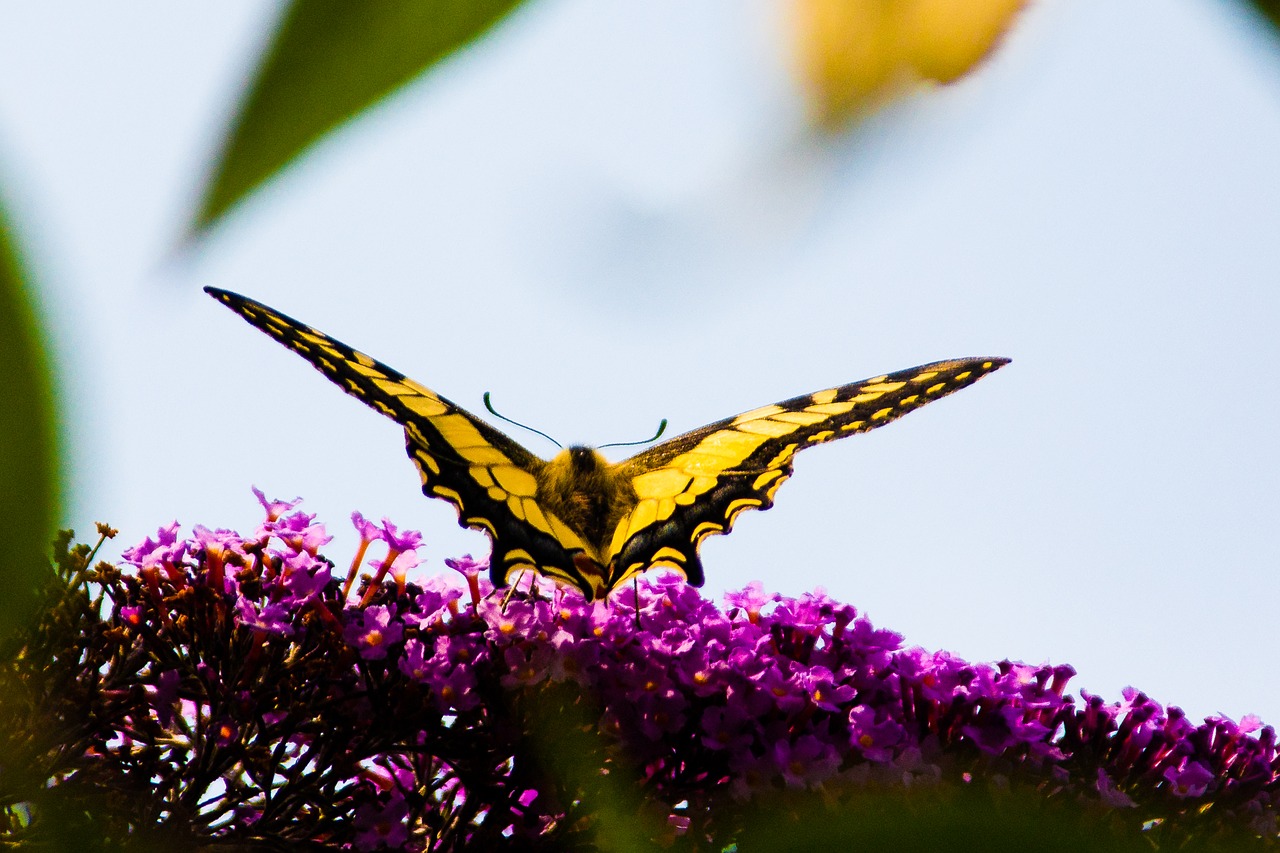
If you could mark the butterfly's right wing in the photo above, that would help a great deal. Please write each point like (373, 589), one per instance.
(696, 484)
(490, 479)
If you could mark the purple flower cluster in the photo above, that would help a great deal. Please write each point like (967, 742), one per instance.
(447, 715)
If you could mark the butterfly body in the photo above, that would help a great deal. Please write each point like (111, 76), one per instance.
(580, 518)
(582, 487)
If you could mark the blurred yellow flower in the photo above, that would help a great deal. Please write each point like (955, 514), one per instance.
(855, 55)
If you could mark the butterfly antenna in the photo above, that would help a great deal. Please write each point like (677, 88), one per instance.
(662, 427)
(494, 412)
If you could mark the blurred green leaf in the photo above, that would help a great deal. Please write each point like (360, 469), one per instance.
(1270, 9)
(561, 727)
(28, 441)
(985, 819)
(329, 61)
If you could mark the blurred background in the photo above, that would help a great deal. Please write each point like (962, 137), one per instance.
(607, 214)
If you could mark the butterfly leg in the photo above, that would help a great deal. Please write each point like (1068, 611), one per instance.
(535, 594)
(635, 588)
(511, 590)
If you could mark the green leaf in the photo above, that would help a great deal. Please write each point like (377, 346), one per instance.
(329, 61)
(28, 442)
(1270, 9)
(985, 818)
(558, 719)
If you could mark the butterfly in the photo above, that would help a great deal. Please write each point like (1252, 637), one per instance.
(589, 522)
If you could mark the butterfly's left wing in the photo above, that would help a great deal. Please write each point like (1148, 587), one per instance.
(490, 480)
(695, 485)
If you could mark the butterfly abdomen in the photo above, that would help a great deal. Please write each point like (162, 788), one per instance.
(583, 488)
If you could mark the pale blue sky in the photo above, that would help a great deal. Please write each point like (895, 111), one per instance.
(612, 213)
